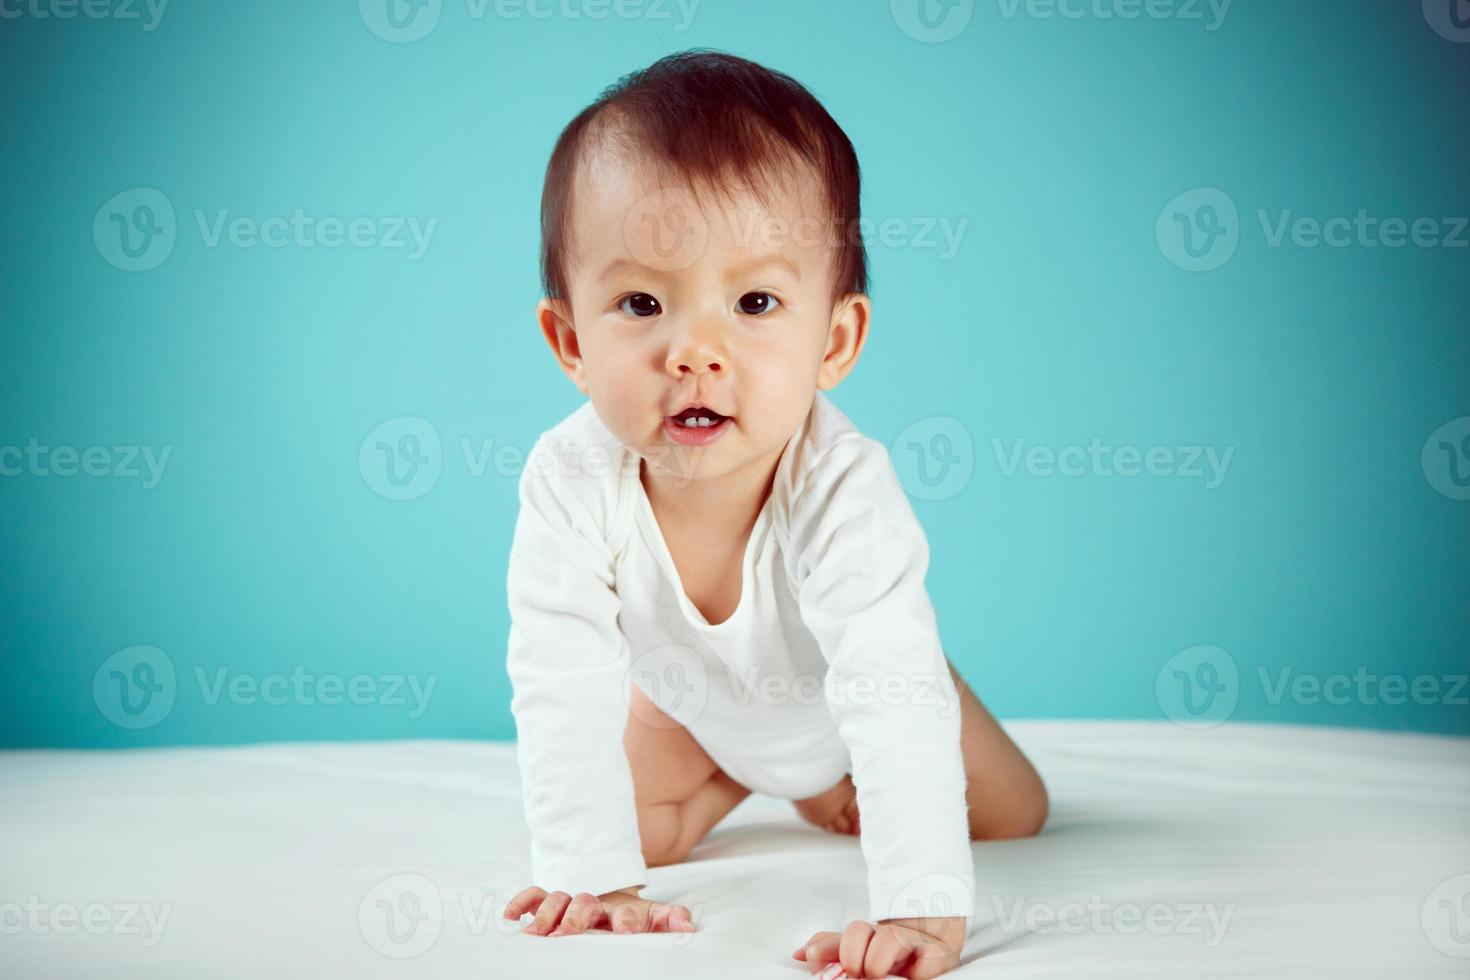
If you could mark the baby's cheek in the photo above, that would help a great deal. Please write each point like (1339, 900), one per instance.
(783, 384)
(627, 404)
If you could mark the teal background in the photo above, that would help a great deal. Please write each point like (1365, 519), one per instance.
(265, 550)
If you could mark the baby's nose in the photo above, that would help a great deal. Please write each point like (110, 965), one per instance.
(696, 365)
(697, 351)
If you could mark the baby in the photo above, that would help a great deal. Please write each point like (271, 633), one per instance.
(716, 582)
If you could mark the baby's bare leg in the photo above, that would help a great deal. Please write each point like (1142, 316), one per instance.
(1005, 795)
(679, 790)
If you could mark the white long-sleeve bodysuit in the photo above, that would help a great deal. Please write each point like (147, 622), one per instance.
(833, 581)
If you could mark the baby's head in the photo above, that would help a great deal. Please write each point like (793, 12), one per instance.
(699, 247)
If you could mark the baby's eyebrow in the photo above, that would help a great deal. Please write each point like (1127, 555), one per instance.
(772, 260)
(619, 265)
(775, 259)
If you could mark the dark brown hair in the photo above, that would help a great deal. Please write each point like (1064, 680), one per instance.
(705, 116)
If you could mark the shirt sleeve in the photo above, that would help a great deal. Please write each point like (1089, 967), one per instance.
(568, 660)
(862, 558)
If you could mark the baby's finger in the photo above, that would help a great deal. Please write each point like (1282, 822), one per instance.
(584, 913)
(632, 917)
(852, 948)
(886, 950)
(801, 951)
(551, 909)
(819, 950)
(681, 919)
(670, 918)
(928, 960)
(525, 901)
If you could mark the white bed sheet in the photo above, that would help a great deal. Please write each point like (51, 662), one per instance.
(1243, 851)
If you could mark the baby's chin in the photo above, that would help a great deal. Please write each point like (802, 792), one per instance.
(729, 457)
(669, 461)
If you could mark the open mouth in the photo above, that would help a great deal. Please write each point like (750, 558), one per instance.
(697, 417)
(696, 426)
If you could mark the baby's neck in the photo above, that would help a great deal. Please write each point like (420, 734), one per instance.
(731, 501)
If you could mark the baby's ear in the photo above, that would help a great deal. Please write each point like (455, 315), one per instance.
(555, 318)
(846, 335)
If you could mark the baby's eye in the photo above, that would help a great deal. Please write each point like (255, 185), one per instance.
(758, 303)
(639, 304)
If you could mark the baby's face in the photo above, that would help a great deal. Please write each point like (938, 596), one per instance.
(678, 301)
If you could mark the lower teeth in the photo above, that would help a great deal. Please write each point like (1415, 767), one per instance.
(698, 423)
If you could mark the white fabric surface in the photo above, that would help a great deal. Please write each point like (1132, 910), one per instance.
(1335, 853)
(595, 602)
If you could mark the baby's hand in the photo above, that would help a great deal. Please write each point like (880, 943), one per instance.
(913, 948)
(560, 914)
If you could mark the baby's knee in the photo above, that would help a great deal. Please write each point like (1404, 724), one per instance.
(661, 830)
(1024, 815)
